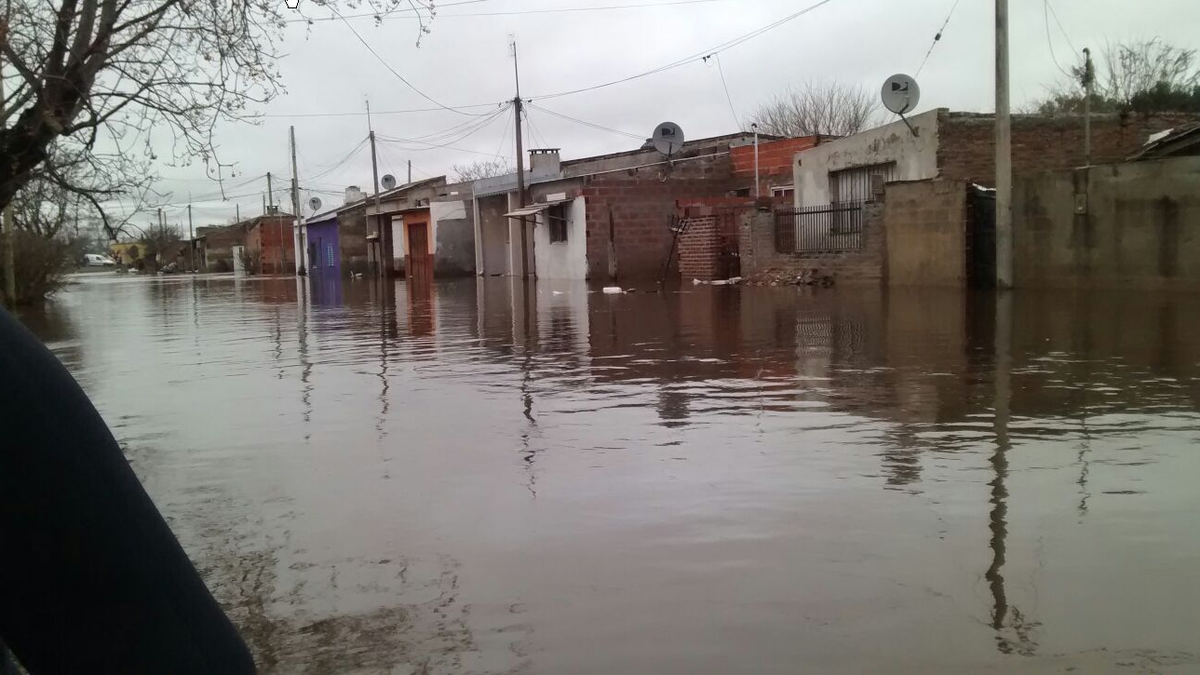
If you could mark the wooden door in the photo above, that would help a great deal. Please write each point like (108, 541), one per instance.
(419, 264)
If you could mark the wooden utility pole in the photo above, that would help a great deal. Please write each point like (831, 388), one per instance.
(517, 105)
(298, 223)
(1004, 217)
(378, 216)
(1089, 78)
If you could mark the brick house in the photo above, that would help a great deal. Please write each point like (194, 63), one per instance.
(610, 216)
(271, 244)
(214, 246)
(961, 146)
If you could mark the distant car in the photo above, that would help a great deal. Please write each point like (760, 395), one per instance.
(97, 260)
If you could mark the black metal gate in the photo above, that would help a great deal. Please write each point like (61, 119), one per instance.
(981, 237)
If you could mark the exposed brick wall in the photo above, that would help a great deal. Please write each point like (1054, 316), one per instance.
(699, 248)
(966, 141)
(265, 237)
(638, 205)
(926, 225)
(775, 160)
(758, 254)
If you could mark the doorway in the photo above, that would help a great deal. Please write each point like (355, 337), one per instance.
(419, 264)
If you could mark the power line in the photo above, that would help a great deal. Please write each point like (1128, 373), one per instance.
(537, 135)
(728, 98)
(1046, 10)
(393, 70)
(373, 112)
(485, 122)
(588, 124)
(938, 36)
(694, 57)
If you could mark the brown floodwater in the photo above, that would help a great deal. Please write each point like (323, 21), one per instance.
(468, 477)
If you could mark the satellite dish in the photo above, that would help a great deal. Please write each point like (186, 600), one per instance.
(901, 94)
(389, 182)
(315, 204)
(668, 138)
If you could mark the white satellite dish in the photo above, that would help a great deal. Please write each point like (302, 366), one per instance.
(668, 138)
(901, 94)
(389, 182)
(315, 204)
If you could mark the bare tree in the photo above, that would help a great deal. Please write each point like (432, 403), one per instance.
(1146, 75)
(484, 168)
(826, 108)
(105, 79)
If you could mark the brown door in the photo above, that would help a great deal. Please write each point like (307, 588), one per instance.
(419, 264)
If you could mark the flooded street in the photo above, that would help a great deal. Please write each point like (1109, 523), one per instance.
(380, 478)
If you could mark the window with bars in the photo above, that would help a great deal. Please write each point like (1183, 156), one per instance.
(556, 223)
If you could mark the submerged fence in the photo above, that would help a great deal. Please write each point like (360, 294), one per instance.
(828, 228)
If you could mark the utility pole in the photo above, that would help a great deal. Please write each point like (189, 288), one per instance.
(757, 189)
(191, 241)
(10, 240)
(1004, 217)
(1089, 78)
(270, 194)
(237, 210)
(298, 223)
(410, 170)
(375, 177)
(517, 105)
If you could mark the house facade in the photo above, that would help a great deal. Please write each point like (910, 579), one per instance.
(424, 228)
(215, 246)
(270, 243)
(961, 146)
(610, 217)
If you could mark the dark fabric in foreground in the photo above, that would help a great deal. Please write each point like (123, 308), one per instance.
(91, 577)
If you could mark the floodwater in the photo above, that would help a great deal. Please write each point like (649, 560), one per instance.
(465, 477)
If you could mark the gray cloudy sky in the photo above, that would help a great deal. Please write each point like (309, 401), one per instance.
(465, 60)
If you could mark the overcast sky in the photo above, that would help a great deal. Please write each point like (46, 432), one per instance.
(466, 60)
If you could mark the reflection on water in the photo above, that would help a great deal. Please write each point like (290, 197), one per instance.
(488, 477)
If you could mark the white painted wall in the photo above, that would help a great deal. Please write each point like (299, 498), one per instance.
(443, 211)
(397, 225)
(566, 260)
(915, 156)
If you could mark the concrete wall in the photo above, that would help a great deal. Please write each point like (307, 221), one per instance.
(563, 260)
(454, 238)
(352, 238)
(491, 232)
(1140, 227)
(926, 233)
(756, 244)
(915, 156)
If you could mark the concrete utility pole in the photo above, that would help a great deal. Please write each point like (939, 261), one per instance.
(517, 105)
(191, 241)
(1004, 216)
(1089, 79)
(298, 223)
(270, 194)
(757, 190)
(410, 170)
(375, 177)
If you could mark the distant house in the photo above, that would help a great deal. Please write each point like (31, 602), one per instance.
(426, 229)
(611, 216)
(961, 146)
(215, 246)
(270, 243)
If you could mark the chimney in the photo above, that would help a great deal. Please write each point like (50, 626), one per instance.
(544, 161)
(353, 194)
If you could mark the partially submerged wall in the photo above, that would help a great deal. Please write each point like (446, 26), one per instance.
(757, 247)
(926, 233)
(1118, 226)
